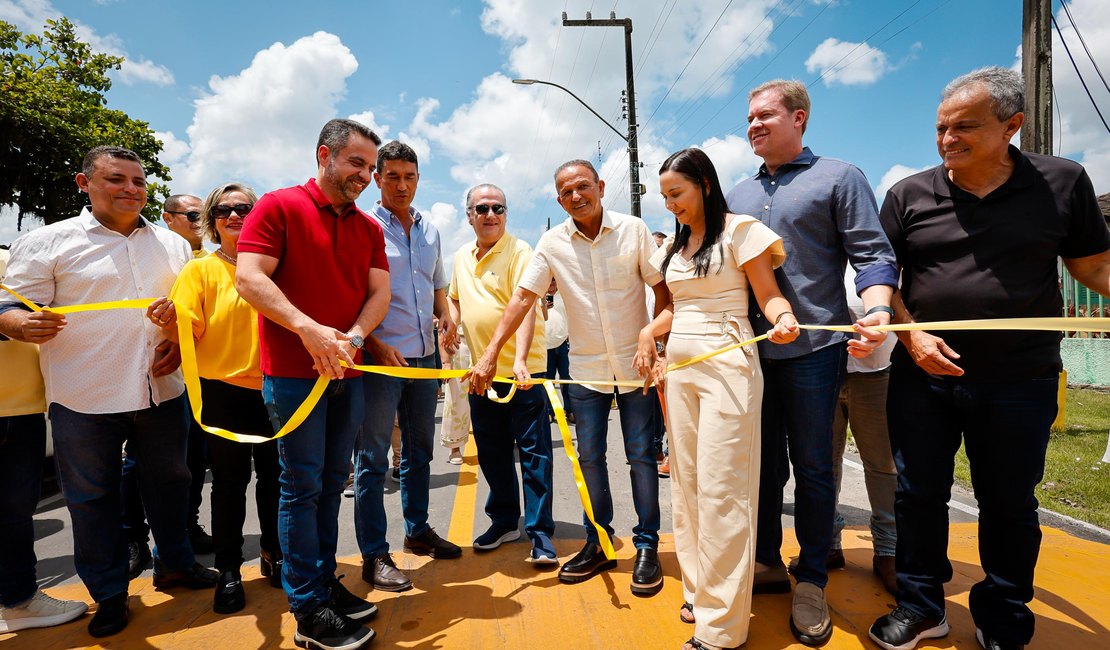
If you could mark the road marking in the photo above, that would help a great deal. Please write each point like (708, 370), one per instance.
(952, 503)
(461, 529)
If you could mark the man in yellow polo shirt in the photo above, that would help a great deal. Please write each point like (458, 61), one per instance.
(486, 273)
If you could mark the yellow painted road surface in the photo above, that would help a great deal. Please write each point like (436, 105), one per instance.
(497, 600)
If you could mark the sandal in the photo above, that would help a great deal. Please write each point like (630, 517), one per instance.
(686, 608)
(695, 644)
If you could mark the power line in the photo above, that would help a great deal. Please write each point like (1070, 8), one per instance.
(1073, 64)
(1064, 4)
(863, 42)
(650, 43)
(688, 62)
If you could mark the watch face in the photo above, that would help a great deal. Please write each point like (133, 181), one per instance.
(356, 341)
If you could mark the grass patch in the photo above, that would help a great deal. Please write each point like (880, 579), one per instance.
(1076, 481)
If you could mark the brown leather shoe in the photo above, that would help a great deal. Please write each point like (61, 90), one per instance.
(383, 574)
(834, 560)
(883, 566)
(771, 580)
(665, 467)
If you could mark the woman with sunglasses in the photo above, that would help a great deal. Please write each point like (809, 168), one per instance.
(713, 406)
(225, 329)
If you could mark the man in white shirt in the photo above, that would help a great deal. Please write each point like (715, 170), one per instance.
(605, 312)
(105, 383)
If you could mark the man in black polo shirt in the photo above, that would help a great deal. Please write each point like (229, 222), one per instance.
(978, 237)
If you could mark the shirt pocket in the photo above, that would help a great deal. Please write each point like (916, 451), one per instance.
(622, 271)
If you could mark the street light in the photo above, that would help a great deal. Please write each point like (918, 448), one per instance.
(634, 186)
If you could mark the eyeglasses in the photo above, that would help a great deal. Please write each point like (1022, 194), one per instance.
(224, 211)
(483, 210)
(191, 215)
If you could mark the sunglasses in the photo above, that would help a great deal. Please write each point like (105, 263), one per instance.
(483, 210)
(191, 215)
(224, 211)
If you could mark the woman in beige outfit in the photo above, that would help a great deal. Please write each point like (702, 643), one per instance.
(714, 405)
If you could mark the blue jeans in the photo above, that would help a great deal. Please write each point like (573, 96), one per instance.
(87, 453)
(558, 367)
(498, 428)
(314, 461)
(799, 399)
(413, 402)
(591, 413)
(1005, 430)
(22, 452)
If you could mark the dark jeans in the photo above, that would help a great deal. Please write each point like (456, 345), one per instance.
(86, 450)
(799, 398)
(240, 410)
(498, 429)
(591, 415)
(1005, 431)
(22, 452)
(196, 457)
(558, 367)
(413, 401)
(314, 465)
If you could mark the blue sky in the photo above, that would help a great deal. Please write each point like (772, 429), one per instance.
(239, 90)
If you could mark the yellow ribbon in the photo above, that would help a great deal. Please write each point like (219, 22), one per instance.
(192, 378)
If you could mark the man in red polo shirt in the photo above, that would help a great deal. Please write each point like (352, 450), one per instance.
(314, 267)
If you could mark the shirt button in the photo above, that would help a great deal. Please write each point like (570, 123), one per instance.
(772, 182)
(766, 207)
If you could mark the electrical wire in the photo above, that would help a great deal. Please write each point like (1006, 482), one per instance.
(1064, 4)
(1081, 80)
(833, 68)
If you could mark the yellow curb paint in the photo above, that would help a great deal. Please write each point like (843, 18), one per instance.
(461, 530)
(495, 600)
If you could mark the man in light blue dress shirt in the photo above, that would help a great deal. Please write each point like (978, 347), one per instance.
(405, 337)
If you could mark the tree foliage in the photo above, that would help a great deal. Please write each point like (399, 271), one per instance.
(52, 111)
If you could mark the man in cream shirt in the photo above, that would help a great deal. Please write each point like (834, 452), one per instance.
(605, 311)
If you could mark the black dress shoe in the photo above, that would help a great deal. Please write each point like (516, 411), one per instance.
(990, 643)
(647, 576)
(429, 543)
(230, 596)
(138, 559)
(195, 577)
(589, 561)
(110, 617)
(200, 540)
(381, 572)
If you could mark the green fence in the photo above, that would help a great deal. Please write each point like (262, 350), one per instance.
(1081, 301)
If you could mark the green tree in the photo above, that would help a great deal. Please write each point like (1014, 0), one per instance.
(52, 111)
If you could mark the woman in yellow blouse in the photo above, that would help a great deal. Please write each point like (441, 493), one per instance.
(225, 329)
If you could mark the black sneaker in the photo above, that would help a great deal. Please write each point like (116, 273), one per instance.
(324, 629)
(429, 543)
(902, 629)
(589, 561)
(344, 602)
(138, 559)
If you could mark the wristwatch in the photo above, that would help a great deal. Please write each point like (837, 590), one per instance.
(356, 342)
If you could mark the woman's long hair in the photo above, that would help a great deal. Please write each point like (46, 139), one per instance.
(697, 168)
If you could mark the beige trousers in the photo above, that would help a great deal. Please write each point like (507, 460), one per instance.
(713, 416)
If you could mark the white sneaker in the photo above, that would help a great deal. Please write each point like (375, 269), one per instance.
(40, 611)
(456, 457)
(349, 486)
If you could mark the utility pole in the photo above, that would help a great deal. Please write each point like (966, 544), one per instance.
(1036, 67)
(635, 189)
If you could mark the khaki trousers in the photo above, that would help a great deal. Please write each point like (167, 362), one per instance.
(713, 416)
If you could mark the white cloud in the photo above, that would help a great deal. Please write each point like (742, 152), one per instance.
(453, 229)
(9, 219)
(261, 124)
(31, 16)
(367, 118)
(892, 176)
(846, 63)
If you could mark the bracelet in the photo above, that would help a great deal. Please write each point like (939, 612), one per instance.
(882, 308)
(779, 317)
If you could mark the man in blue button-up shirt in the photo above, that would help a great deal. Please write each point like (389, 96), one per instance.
(405, 337)
(825, 212)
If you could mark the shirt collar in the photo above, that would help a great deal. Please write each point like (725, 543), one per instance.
(1022, 176)
(88, 221)
(607, 223)
(497, 247)
(322, 201)
(804, 159)
(389, 217)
